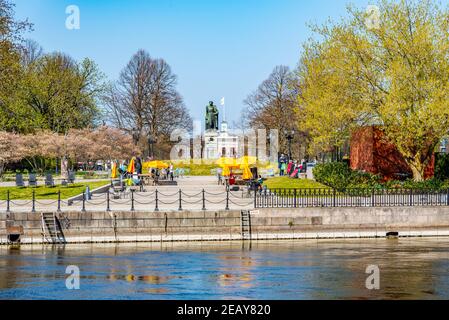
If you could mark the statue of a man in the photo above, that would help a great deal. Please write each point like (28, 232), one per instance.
(211, 117)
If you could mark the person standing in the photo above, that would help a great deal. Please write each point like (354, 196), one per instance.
(138, 165)
(219, 176)
(290, 167)
(171, 172)
(283, 168)
(157, 175)
(282, 164)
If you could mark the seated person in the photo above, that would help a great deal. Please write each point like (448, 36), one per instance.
(232, 180)
(260, 183)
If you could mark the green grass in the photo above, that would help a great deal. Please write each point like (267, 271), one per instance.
(46, 193)
(289, 183)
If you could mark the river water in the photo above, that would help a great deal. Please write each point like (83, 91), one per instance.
(306, 269)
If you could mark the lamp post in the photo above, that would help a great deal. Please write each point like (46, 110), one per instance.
(136, 136)
(289, 135)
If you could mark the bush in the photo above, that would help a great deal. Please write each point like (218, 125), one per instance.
(431, 184)
(442, 166)
(339, 176)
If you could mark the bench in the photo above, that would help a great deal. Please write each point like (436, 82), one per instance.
(19, 180)
(32, 180)
(49, 181)
(167, 183)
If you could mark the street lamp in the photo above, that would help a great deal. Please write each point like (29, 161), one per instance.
(289, 135)
(136, 136)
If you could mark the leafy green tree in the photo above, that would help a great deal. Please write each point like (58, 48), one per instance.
(394, 75)
(13, 115)
(63, 93)
(37, 91)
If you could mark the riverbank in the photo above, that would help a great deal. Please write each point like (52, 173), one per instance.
(262, 224)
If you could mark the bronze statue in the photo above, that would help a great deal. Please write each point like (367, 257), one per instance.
(211, 117)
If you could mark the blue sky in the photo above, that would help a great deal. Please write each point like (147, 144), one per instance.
(216, 48)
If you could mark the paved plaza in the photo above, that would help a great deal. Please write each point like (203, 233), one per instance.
(189, 189)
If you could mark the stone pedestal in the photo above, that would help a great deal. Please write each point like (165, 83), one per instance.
(211, 145)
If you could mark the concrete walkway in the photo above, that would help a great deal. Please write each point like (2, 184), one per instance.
(41, 182)
(165, 198)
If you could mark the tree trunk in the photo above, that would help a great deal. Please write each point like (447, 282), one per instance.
(2, 167)
(418, 169)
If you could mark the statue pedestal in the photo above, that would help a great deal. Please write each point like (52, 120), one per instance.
(211, 145)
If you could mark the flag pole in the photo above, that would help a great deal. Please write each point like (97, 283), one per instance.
(224, 108)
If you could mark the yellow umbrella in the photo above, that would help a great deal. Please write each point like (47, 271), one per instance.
(131, 167)
(247, 160)
(231, 163)
(247, 174)
(226, 171)
(157, 164)
(114, 170)
(227, 164)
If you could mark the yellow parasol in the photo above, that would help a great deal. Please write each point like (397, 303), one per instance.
(247, 161)
(114, 170)
(156, 164)
(131, 167)
(227, 164)
(247, 174)
(226, 171)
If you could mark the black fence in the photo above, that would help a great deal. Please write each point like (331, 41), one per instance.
(135, 200)
(304, 198)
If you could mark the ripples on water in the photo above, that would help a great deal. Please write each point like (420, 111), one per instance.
(333, 269)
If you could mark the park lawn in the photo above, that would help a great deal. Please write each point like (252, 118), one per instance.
(46, 193)
(289, 183)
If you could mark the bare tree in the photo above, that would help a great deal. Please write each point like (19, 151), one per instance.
(31, 51)
(145, 100)
(273, 104)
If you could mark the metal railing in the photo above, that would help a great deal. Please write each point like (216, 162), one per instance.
(305, 198)
(156, 200)
(133, 200)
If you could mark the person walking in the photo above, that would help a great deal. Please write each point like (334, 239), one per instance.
(156, 177)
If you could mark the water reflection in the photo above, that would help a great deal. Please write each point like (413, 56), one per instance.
(309, 269)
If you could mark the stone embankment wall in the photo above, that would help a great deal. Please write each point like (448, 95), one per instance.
(266, 224)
